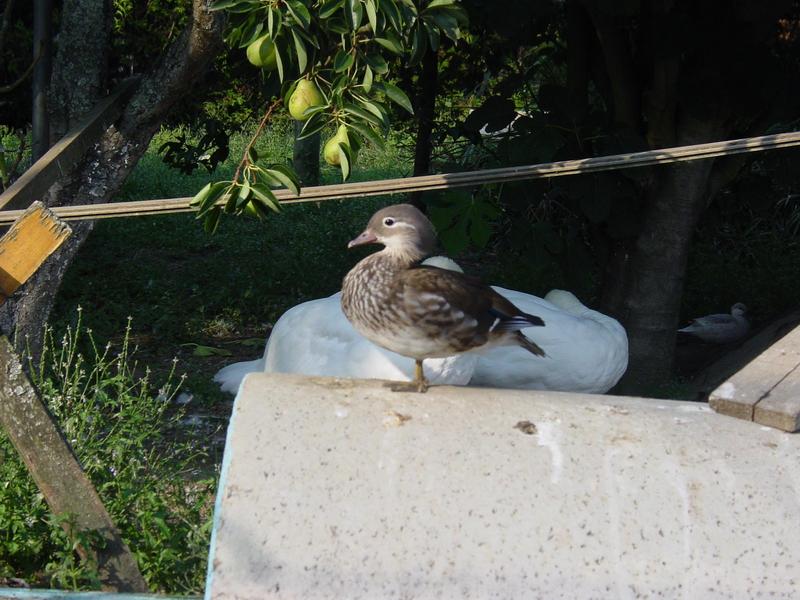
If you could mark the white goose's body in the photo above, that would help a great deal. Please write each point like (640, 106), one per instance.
(586, 351)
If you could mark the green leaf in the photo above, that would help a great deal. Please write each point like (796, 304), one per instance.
(435, 3)
(372, 15)
(279, 62)
(265, 195)
(211, 221)
(273, 18)
(366, 115)
(355, 13)
(329, 8)
(342, 61)
(200, 350)
(200, 196)
(367, 81)
(344, 160)
(299, 12)
(376, 108)
(300, 47)
(392, 45)
(313, 125)
(367, 132)
(433, 38)
(418, 44)
(392, 13)
(250, 34)
(397, 96)
(222, 4)
(215, 191)
(377, 63)
(286, 176)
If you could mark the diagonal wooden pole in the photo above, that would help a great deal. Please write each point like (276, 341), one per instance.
(30, 426)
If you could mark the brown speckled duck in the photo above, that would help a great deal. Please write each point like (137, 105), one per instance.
(422, 311)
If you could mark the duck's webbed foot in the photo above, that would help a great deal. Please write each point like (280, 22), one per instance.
(419, 385)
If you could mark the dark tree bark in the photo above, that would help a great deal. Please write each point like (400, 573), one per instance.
(42, 52)
(305, 156)
(427, 89)
(656, 270)
(79, 78)
(643, 283)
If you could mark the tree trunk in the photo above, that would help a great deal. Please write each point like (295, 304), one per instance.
(427, 89)
(78, 82)
(305, 156)
(42, 50)
(656, 270)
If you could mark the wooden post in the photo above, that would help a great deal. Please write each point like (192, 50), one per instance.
(63, 156)
(32, 238)
(31, 428)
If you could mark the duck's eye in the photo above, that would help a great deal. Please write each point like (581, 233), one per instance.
(388, 221)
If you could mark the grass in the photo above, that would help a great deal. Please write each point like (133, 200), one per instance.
(122, 424)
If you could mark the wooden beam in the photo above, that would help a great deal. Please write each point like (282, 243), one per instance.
(65, 154)
(32, 238)
(59, 476)
(767, 390)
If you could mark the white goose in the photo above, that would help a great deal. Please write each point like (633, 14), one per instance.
(721, 328)
(586, 351)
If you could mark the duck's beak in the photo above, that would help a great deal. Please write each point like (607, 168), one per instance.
(366, 237)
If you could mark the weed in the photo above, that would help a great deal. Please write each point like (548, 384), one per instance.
(124, 430)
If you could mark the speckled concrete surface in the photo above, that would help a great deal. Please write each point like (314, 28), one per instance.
(343, 489)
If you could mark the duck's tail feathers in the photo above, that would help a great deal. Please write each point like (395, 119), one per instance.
(504, 322)
(529, 345)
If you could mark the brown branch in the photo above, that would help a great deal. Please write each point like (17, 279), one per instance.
(246, 154)
(12, 86)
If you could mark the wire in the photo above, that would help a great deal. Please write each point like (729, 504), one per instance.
(442, 181)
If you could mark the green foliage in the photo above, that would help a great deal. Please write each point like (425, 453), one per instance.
(14, 155)
(342, 47)
(209, 151)
(124, 429)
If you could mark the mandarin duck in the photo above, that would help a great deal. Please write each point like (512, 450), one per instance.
(422, 311)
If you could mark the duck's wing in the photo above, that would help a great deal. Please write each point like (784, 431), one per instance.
(460, 305)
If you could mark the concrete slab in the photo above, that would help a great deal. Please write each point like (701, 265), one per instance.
(343, 489)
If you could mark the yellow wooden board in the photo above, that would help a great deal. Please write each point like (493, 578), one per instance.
(30, 240)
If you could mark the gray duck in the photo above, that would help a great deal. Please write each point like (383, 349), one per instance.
(421, 311)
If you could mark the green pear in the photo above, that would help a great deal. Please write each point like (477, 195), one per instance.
(261, 53)
(305, 95)
(331, 149)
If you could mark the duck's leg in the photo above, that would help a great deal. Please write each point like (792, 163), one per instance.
(420, 384)
(419, 377)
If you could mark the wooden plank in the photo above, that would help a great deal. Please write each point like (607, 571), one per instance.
(781, 406)
(32, 238)
(770, 376)
(57, 473)
(63, 156)
(731, 362)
